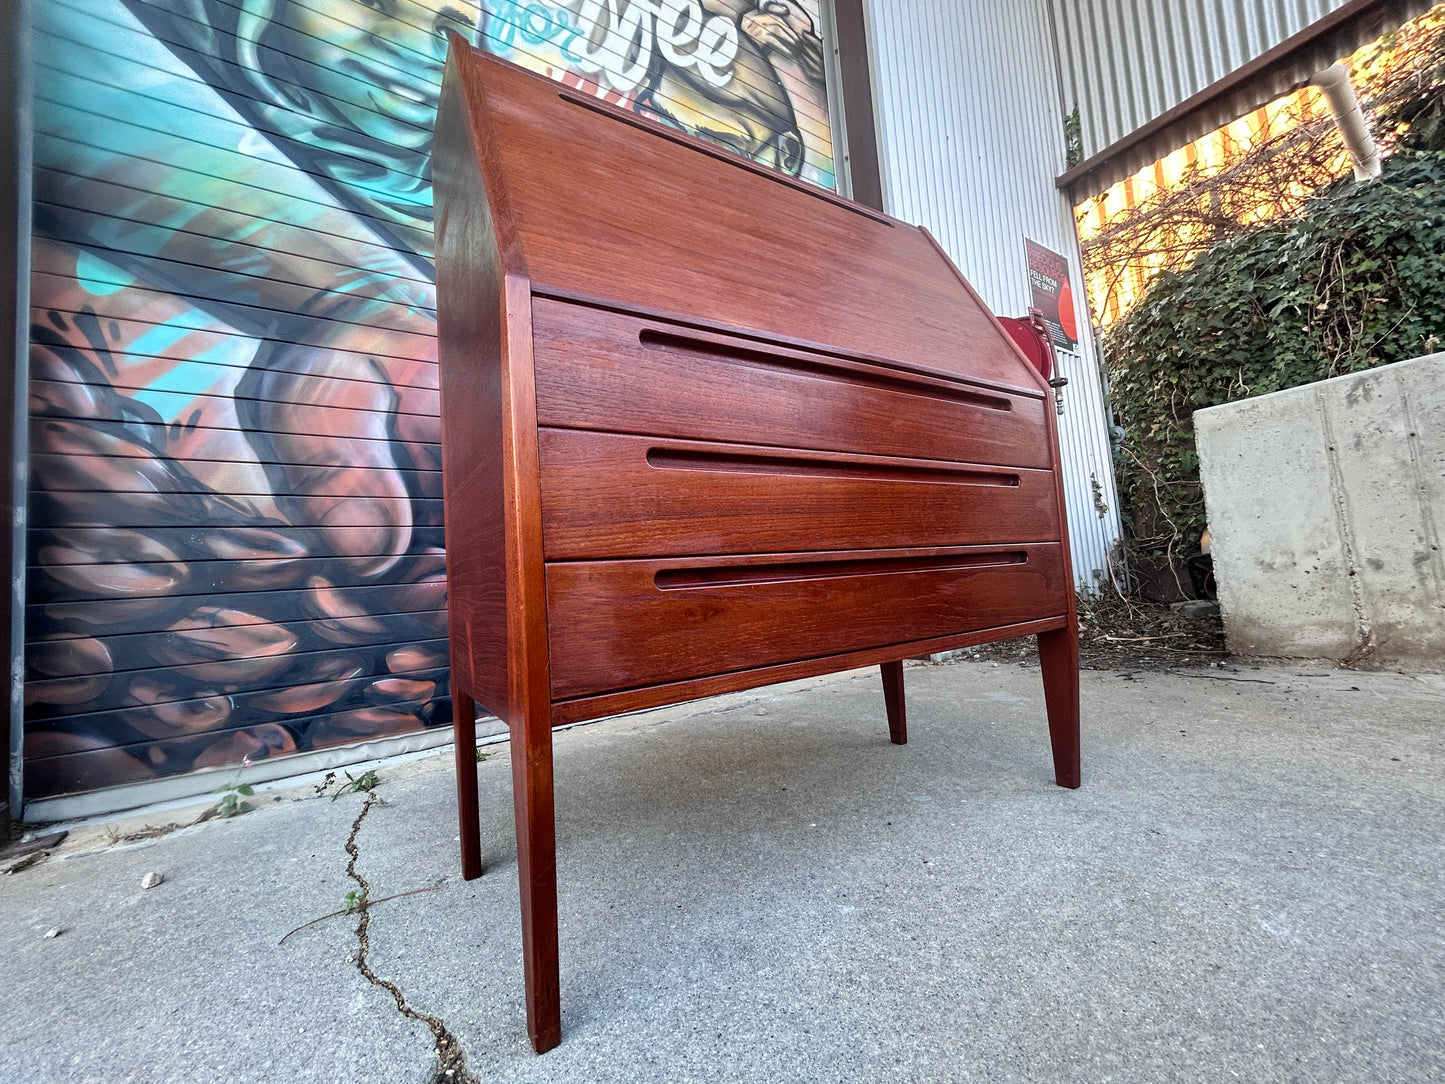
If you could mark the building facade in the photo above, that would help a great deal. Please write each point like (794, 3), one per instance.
(227, 544)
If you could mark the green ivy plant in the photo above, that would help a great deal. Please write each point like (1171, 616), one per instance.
(1073, 139)
(1358, 280)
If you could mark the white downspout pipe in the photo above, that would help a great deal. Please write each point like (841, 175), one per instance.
(1339, 92)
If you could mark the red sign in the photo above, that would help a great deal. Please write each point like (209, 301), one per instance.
(1052, 294)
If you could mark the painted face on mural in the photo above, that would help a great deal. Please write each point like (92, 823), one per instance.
(377, 62)
(355, 82)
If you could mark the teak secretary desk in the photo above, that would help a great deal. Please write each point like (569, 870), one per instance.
(707, 428)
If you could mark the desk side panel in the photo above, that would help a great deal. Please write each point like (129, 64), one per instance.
(470, 332)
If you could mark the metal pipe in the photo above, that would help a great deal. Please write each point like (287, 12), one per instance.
(1339, 92)
(15, 205)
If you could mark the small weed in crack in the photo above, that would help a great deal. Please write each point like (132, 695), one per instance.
(233, 797)
(451, 1063)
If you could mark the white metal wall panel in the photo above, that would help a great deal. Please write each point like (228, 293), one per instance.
(971, 137)
(1124, 62)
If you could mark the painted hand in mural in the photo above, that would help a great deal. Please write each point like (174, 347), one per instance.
(788, 38)
(755, 112)
(783, 29)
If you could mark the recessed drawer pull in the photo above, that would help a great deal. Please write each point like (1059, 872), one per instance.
(804, 467)
(816, 367)
(673, 579)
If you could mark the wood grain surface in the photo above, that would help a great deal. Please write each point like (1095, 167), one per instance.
(609, 495)
(707, 429)
(601, 369)
(621, 624)
(727, 244)
(676, 692)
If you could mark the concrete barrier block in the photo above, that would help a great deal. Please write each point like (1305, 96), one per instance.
(1326, 505)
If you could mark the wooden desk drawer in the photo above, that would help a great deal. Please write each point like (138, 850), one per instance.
(624, 624)
(610, 495)
(597, 369)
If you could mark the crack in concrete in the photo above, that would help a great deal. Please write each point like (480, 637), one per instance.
(451, 1063)
(1364, 631)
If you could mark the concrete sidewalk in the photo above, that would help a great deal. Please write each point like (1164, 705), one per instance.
(759, 887)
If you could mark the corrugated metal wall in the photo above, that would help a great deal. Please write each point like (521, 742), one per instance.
(971, 135)
(1124, 62)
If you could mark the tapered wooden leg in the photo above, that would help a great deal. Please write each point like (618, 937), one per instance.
(1059, 659)
(537, 876)
(464, 741)
(893, 701)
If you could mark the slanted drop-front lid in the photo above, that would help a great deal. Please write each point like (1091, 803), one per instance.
(611, 207)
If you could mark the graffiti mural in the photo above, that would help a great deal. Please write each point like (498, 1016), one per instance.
(236, 545)
(746, 74)
(235, 539)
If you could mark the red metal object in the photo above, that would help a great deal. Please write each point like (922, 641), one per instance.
(1032, 338)
(1031, 335)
